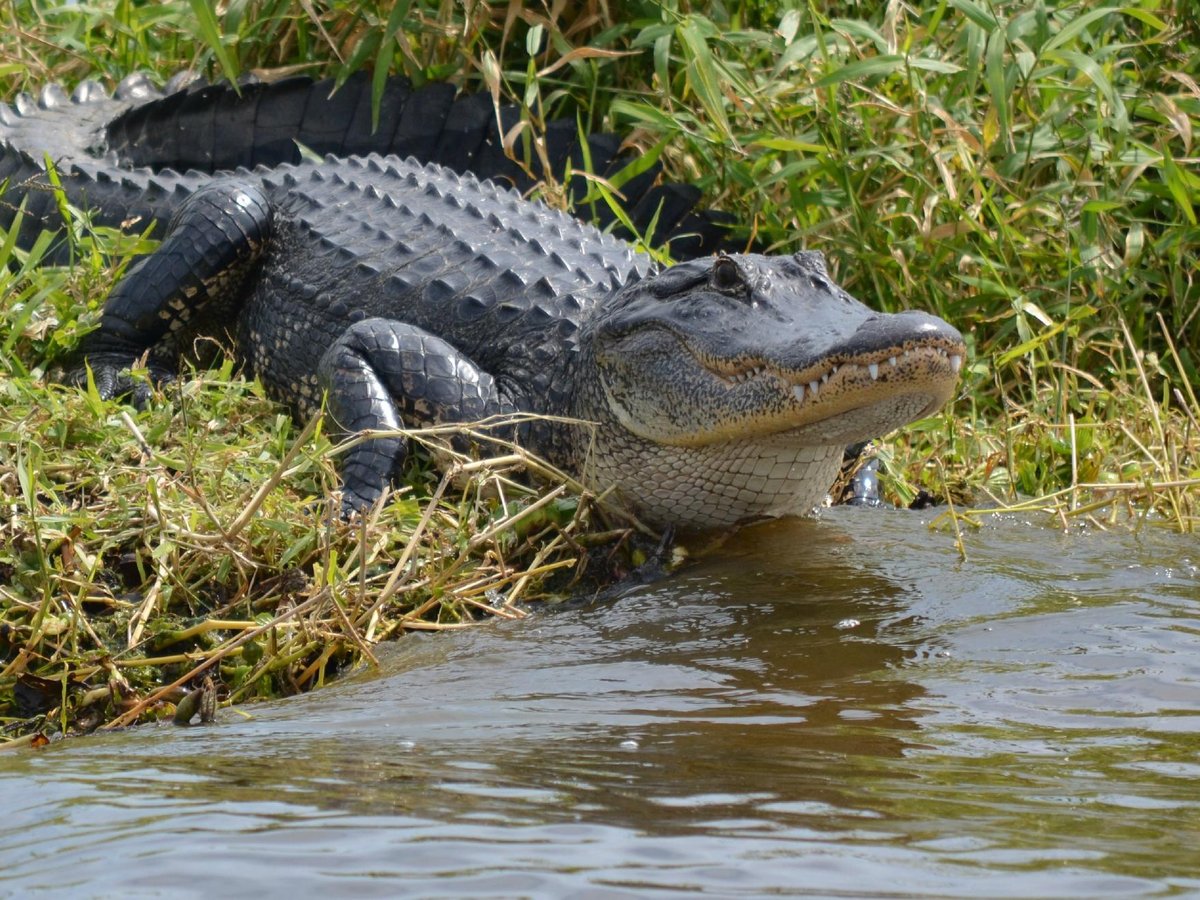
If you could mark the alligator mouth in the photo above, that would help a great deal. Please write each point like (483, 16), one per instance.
(900, 367)
(670, 391)
(905, 382)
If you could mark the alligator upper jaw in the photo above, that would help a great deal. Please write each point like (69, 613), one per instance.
(841, 398)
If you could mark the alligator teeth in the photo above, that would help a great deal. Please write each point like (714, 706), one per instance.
(891, 360)
(825, 377)
(813, 387)
(743, 377)
(955, 363)
(798, 392)
(873, 368)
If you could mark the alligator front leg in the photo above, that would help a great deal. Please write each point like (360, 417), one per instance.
(199, 272)
(381, 374)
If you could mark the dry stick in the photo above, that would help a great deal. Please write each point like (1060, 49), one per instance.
(168, 660)
(549, 472)
(1046, 501)
(413, 614)
(468, 592)
(209, 625)
(1074, 462)
(1145, 451)
(493, 462)
(1163, 465)
(499, 485)
(143, 447)
(1179, 365)
(311, 670)
(82, 618)
(198, 539)
(540, 467)
(133, 712)
(1190, 410)
(1091, 507)
(358, 639)
(271, 483)
(422, 625)
(148, 454)
(394, 580)
(143, 614)
(535, 569)
(24, 655)
(362, 567)
(958, 536)
(1158, 427)
(155, 512)
(1144, 486)
(511, 521)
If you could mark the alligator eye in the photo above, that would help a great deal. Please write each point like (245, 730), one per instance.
(726, 276)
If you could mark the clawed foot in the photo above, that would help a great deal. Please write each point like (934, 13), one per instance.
(354, 504)
(113, 379)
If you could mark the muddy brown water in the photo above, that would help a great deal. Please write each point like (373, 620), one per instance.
(829, 707)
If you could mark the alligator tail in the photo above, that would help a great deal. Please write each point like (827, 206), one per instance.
(203, 128)
(212, 127)
(68, 131)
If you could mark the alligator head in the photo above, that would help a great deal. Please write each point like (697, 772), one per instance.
(731, 385)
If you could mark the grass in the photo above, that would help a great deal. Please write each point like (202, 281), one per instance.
(1025, 170)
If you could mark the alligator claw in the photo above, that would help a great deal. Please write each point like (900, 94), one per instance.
(114, 380)
(352, 505)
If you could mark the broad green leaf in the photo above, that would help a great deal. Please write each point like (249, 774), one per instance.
(788, 26)
(977, 14)
(1144, 17)
(791, 144)
(1090, 68)
(1075, 27)
(533, 40)
(1177, 185)
(875, 65)
(996, 83)
(644, 112)
(861, 31)
(933, 65)
(1038, 340)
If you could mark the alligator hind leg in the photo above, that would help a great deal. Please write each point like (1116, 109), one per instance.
(197, 276)
(381, 374)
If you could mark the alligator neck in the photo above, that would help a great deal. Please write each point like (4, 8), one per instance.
(708, 486)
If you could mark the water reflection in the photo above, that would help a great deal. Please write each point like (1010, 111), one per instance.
(814, 705)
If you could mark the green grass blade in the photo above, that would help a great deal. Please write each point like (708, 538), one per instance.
(210, 32)
(704, 78)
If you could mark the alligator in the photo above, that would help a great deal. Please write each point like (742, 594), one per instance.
(403, 280)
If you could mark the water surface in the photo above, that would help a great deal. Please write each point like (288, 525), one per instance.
(839, 706)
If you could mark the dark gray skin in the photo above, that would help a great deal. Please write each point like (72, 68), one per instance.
(716, 390)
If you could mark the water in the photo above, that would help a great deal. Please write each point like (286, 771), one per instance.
(831, 707)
